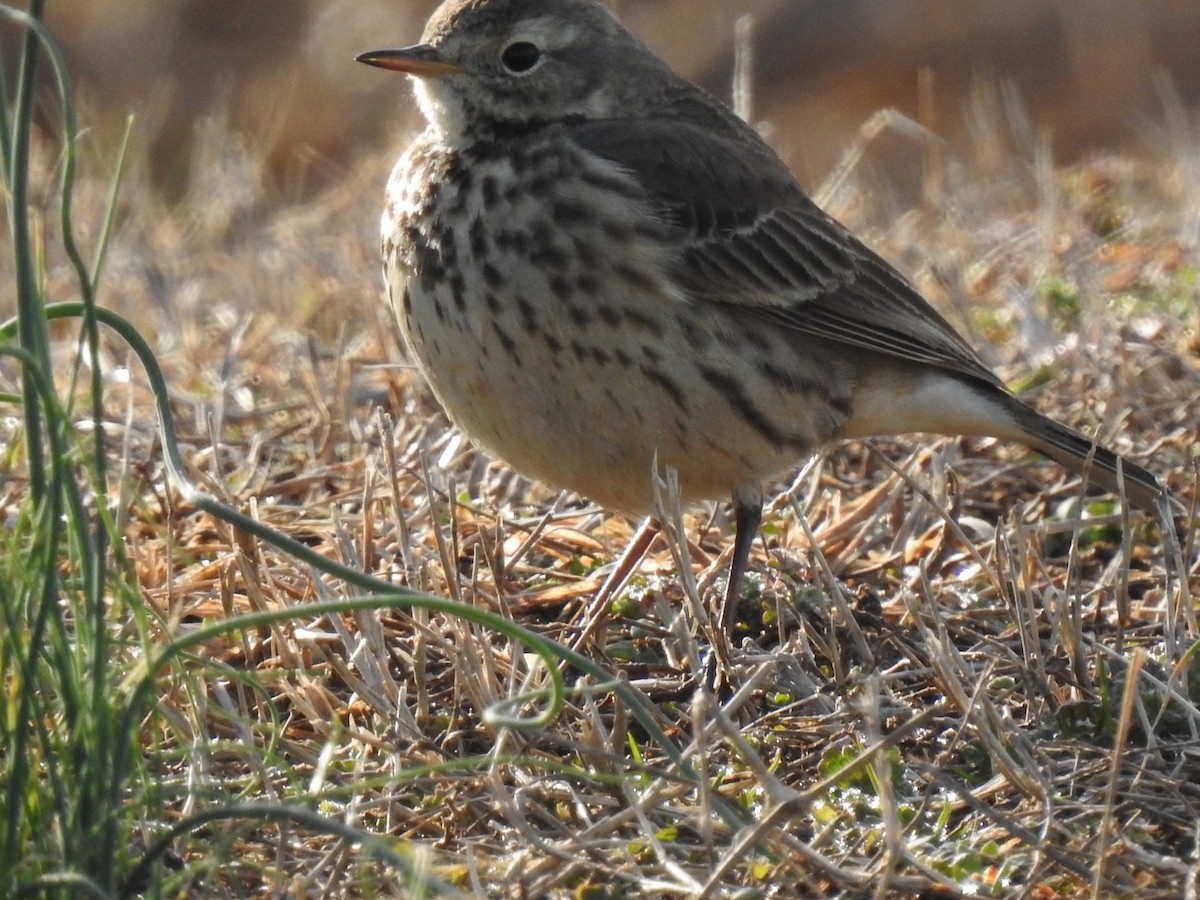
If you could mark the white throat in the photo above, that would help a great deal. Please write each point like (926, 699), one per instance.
(441, 109)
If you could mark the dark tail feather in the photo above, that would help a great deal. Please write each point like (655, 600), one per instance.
(1097, 464)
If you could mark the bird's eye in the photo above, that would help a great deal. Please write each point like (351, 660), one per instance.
(520, 57)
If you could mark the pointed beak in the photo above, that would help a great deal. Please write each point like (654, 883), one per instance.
(421, 60)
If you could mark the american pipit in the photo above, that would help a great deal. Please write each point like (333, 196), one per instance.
(596, 265)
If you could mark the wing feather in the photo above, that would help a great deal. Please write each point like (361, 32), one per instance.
(750, 237)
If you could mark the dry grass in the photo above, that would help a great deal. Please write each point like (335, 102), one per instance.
(958, 676)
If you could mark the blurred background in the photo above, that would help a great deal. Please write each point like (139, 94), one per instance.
(1091, 75)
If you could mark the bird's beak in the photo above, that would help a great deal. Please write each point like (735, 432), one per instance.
(422, 60)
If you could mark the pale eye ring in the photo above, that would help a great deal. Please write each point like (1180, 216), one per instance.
(521, 57)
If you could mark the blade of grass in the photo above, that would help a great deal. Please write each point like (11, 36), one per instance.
(32, 331)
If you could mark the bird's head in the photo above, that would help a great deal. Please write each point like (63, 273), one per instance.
(487, 63)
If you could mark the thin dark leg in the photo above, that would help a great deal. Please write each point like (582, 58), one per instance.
(747, 517)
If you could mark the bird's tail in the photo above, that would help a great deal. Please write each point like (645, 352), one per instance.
(1094, 462)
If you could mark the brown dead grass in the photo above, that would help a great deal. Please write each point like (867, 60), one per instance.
(940, 610)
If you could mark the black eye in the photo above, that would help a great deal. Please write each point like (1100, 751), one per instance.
(520, 57)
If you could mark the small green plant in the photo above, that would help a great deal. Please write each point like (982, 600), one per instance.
(1061, 300)
(65, 725)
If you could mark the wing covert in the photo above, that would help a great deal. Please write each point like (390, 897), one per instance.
(750, 237)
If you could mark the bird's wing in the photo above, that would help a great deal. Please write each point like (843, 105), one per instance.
(750, 237)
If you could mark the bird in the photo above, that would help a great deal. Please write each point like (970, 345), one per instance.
(600, 269)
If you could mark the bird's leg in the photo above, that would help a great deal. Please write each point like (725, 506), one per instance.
(747, 516)
(635, 551)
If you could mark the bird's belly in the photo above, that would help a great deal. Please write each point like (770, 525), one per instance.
(596, 412)
(557, 341)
